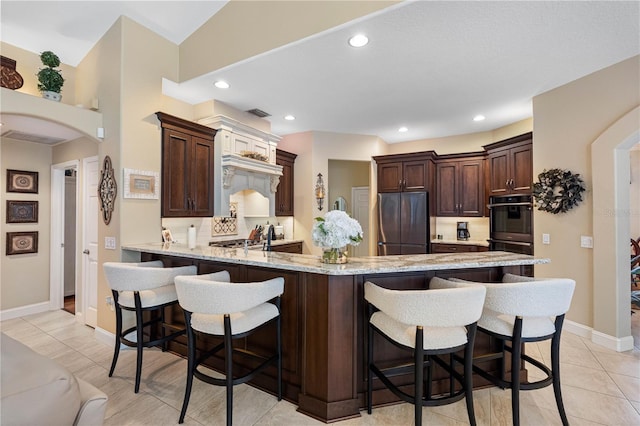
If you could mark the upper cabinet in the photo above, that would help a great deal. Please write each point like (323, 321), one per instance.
(284, 194)
(460, 185)
(405, 172)
(510, 166)
(187, 168)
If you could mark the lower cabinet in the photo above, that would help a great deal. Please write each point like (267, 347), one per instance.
(456, 248)
(288, 248)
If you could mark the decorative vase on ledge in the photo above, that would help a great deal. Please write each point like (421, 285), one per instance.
(52, 96)
(334, 255)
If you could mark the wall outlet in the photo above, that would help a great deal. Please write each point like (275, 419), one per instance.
(546, 239)
(586, 242)
(110, 243)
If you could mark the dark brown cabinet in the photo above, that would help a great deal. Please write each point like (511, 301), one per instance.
(460, 185)
(284, 193)
(288, 248)
(405, 172)
(187, 168)
(456, 248)
(510, 166)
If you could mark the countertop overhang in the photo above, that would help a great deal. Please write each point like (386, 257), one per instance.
(356, 265)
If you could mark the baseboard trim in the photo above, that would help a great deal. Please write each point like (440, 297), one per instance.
(36, 308)
(618, 344)
(104, 336)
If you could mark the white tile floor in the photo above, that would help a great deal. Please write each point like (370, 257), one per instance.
(600, 387)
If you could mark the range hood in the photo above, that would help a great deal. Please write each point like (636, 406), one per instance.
(244, 159)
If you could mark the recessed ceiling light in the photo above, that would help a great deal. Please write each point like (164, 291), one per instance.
(221, 84)
(289, 117)
(403, 129)
(358, 40)
(478, 117)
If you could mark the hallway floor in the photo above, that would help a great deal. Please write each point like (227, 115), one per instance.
(600, 386)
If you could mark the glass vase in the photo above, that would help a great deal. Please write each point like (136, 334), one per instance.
(334, 255)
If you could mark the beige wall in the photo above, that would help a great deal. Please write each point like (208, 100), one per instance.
(567, 122)
(25, 278)
(342, 176)
(28, 64)
(243, 29)
(634, 193)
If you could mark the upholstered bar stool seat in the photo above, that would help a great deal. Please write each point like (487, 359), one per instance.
(520, 310)
(214, 306)
(143, 287)
(429, 323)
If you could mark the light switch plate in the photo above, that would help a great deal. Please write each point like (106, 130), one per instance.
(546, 239)
(110, 243)
(586, 242)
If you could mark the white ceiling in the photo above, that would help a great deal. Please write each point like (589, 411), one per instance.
(430, 66)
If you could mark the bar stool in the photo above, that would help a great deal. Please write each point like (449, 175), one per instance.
(520, 310)
(143, 287)
(214, 306)
(430, 323)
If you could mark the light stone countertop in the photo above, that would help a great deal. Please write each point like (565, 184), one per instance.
(356, 265)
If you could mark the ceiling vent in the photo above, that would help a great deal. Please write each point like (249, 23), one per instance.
(258, 112)
(30, 137)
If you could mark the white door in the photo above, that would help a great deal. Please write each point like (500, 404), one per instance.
(360, 212)
(90, 170)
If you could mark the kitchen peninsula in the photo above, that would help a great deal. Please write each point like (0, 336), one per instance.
(323, 314)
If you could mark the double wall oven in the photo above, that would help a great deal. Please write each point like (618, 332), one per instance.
(511, 223)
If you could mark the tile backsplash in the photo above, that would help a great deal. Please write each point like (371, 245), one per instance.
(223, 228)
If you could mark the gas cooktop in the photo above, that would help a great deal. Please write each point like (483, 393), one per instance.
(237, 243)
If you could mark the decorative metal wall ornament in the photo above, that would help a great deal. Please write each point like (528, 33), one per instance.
(107, 190)
(558, 191)
(320, 191)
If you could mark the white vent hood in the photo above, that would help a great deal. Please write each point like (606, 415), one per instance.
(234, 172)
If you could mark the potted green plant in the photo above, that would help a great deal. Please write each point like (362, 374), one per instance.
(50, 79)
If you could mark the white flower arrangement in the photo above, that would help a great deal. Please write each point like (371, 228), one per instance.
(336, 229)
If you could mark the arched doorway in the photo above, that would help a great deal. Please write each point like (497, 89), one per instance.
(611, 232)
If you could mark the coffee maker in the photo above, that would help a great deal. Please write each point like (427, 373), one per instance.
(463, 231)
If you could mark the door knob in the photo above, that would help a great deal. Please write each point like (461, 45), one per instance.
(85, 251)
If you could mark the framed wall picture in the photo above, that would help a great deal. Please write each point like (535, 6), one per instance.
(141, 184)
(22, 181)
(22, 242)
(22, 211)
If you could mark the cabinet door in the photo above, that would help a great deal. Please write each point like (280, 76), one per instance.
(175, 173)
(390, 177)
(446, 183)
(521, 169)
(414, 175)
(499, 172)
(201, 192)
(470, 196)
(284, 193)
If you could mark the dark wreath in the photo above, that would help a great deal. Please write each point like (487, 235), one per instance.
(558, 191)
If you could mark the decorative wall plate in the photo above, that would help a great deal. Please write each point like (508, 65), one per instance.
(107, 190)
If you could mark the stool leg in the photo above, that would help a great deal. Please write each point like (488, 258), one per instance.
(228, 361)
(116, 349)
(468, 373)
(279, 355)
(162, 330)
(139, 339)
(555, 369)
(369, 360)
(191, 364)
(516, 351)
(419, 376)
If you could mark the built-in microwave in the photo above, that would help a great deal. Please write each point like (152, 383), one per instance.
(511, 223)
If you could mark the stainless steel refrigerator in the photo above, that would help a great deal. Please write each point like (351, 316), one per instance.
(403, 223)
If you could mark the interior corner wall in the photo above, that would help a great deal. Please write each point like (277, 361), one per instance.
(99, 77)
(567, 120)
(25, 277)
